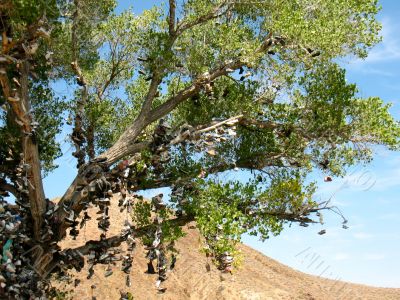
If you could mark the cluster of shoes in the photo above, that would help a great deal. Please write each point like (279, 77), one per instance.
(126, 268)
(109, 256)
(225, 262)
(164, 137)
(70, 219)
(72, 259)
(127, 234)
(85, 218)
(161, 135)
(17, 279)
(104, 219)
(156, 251)
(221, 134)
(91, 259)
(22, 182)
(158, 203)
(78, 137)
(98, 192)
(126, 203)
(159, 146)
(127, 259)
(102, 256)
(100, 187)
(162, 264)
(47, 232)
(177, 196)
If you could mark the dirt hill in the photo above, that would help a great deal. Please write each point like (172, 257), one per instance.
(259, 277)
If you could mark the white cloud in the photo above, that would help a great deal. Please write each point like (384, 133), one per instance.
(388, 51)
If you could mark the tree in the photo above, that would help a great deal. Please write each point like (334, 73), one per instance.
(173, 98)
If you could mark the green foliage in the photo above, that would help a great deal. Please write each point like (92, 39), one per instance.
(224, 211)
(142, 216)
(141, 213)
(170, 232)
(109, 118)
(302, 113)
(25, 12)
(48, 112)
(218, 216)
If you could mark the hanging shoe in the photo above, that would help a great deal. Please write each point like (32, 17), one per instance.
(150, 268)
(71, 217)
(128, 282)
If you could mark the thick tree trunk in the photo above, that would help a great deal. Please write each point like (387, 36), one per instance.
(31, 156)
(20, 108)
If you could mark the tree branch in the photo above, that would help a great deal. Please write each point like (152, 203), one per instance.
(183, 26)
(31, 157)
(230, 121)
(171, 22)
(124, 145)
(9, 188)
(20, 104)
(192, 90)
(74, 197)
(15, 103)
(78, 135)
(118, 150)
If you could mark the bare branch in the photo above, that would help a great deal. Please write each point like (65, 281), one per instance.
(232, 120)
(184, 25)
(192, 90)
(155, 82)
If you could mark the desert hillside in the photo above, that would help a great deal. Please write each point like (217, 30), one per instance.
(259, 277)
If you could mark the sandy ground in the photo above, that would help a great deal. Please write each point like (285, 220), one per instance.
(259, 277)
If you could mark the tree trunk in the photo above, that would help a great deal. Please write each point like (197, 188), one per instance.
(31, 156)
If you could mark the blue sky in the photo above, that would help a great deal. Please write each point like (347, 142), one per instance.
(369, 251)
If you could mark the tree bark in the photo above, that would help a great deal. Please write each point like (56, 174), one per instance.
(31, 155)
